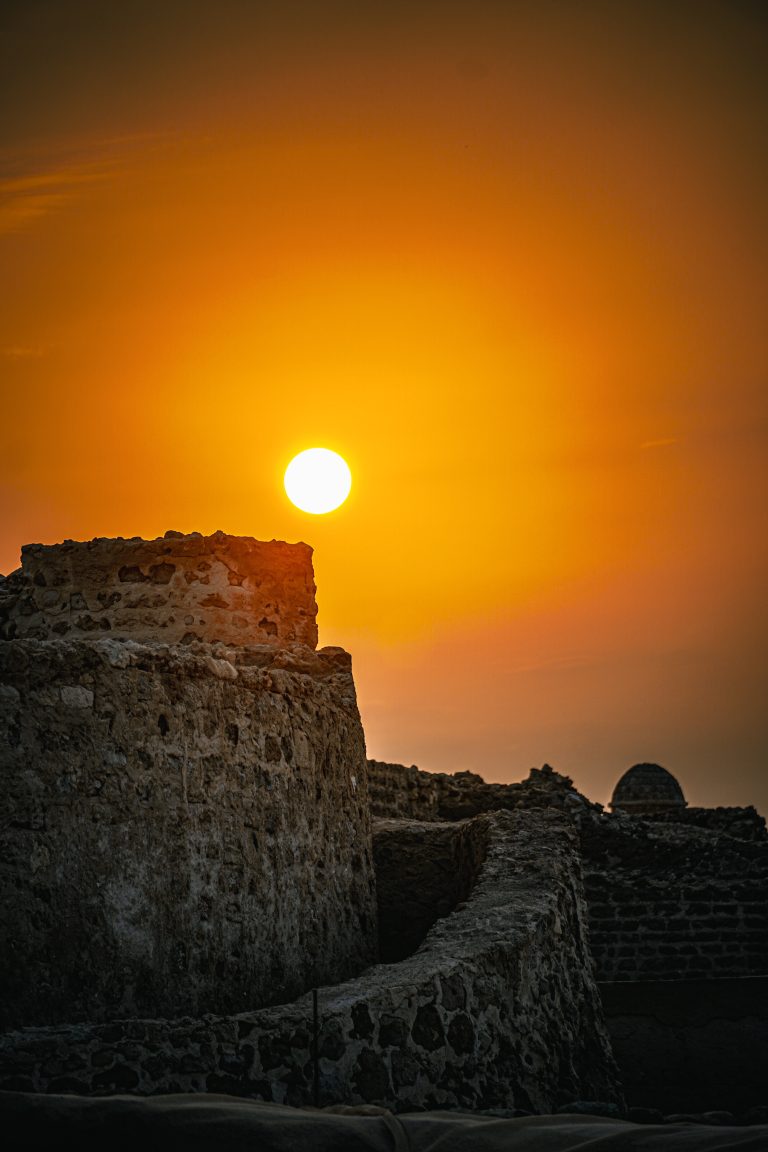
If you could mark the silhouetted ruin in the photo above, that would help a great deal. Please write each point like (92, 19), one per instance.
(193, 841)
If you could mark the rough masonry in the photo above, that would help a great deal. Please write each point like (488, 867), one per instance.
(173, 590)
(671, 901)
(186, 824)
(677, 901)
(672, 895)
(187, 848)
(496, 1009)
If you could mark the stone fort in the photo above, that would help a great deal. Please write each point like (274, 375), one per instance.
(206, 887)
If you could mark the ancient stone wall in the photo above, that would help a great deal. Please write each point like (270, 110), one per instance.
(185, 827)
(681, 895)
(398, 792)
(423, 870)
(176, 589)
(401, 793)
(497, 1009)
(669, 901)
(743, 823)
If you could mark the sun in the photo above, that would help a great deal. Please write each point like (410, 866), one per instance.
(317, 480)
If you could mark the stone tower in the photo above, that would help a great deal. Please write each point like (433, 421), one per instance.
(186, 823)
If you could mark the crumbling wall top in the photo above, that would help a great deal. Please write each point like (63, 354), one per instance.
(409, 793)
(175, 589)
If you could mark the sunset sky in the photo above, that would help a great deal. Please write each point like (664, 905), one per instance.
(508, 258)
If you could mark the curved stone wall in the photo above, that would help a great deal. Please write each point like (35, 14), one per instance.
(497, 1009)
(185, 829)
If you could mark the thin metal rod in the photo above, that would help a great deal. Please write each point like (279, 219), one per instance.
(315, 1051)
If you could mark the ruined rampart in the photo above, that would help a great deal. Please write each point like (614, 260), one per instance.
(496, 1009)
(398, 792)
(681, 895)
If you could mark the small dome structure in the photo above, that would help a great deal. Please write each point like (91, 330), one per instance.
(645, 789)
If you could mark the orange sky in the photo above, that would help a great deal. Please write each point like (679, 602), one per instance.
(508, 258)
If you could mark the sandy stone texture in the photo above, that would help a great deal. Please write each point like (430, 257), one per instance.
(186, 828)
(173, 590)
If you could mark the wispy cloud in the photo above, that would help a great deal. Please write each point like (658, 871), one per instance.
(25, 198)
(660, 443)
(21, 352)
(36, 182)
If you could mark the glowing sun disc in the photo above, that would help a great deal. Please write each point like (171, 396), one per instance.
(317, 480)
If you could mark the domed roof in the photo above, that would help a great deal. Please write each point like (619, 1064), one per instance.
(647, 788)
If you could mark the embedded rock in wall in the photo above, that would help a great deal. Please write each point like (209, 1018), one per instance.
(186, 826)
(176, 589)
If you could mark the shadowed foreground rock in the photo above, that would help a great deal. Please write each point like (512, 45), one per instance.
(212, 1123)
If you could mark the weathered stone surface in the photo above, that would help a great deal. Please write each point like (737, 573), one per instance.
(185, 828)
(497, 1009)
(176, 589)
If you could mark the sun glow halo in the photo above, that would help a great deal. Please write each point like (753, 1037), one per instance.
(317, 480)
